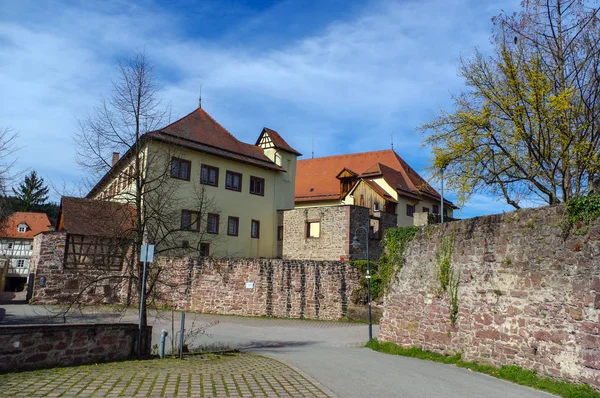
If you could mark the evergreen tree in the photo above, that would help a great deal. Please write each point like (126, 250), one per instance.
(32, 193)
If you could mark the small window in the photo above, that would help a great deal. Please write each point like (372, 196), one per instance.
(445, 212)
(410, 210)
(185, 244)
(255, 229)
(233, 224)
(376, 206)
(280, 232)
(20, 263)
(22, 228)
(212, 225)
(130, 173)
(233, 181)
(10, 245)
(257, 186)
(180, 168)
(425, 209)
(436, 209)
(204, 249)
(209, 175)
(189, 220)
(313, 229)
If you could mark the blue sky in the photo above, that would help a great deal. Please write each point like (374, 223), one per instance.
(349, 74)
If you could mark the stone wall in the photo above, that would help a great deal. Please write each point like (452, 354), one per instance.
(526, 295)
(359, 217)
(53, 283)
(258, 287)
(333, 242)
(26, 347)
(337, 227)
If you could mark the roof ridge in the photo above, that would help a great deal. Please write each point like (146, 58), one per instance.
(161, 130)
(346, 155)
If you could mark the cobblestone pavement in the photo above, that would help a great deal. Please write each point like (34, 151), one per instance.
(223, 375)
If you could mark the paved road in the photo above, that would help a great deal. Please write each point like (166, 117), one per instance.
(328, 352)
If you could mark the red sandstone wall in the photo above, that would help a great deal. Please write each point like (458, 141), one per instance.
(282, 288)
(526, 297)
(86, 285)
(25, 347)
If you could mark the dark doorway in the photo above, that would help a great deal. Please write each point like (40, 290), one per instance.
(15, 284)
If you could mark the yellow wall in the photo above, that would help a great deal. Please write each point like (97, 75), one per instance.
(184, 195)
(285, 182)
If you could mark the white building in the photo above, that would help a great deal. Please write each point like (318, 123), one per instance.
(16, 244)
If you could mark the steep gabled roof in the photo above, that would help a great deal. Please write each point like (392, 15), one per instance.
(90, 217)
(203, 132)
(316, 178)
(198, 131)
(276, 140)
(36, 223)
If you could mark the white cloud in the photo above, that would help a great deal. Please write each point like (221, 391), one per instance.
(350, 85)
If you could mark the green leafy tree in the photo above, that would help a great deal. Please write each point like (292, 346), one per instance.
(528, 125)
(32, 194)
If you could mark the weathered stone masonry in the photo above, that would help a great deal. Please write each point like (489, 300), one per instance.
(25, 347)
(265, 287)
(526, 296)
(337, 227)
(55, 283)
(258, 287)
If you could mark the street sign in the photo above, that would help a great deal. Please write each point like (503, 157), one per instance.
(147, 253)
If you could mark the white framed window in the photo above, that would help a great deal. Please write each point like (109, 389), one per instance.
(313, 228)
(20, 263)
(22, 228)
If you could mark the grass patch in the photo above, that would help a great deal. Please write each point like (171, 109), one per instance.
(511, 373)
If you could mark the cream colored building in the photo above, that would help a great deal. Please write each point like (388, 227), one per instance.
(222, 196)
(379, 180)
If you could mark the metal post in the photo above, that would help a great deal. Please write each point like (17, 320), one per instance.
(369, 282)
(161, 347)
(442, 199)
(181, 335)
(142, 301)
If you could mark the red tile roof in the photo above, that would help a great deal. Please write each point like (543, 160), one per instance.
(91, 217)
(203, 132)
(278, 141)
(36, 223)
(199, 131)
(316, 178)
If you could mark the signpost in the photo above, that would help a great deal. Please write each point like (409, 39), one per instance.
(146, 255)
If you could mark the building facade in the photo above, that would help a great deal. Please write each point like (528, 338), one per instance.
(16, 241)
(381, 181)
(221, 196)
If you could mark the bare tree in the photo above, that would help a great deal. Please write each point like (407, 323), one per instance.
(142, 177)
(7, 149)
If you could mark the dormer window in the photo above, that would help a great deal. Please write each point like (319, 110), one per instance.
(22, 228)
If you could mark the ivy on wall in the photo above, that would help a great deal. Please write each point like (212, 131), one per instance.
(448, 277)
(581, 211)
(383, 271)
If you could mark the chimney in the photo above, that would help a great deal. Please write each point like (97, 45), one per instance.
(115, 159)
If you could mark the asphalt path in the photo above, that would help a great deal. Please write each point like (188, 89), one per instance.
(330, 352)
